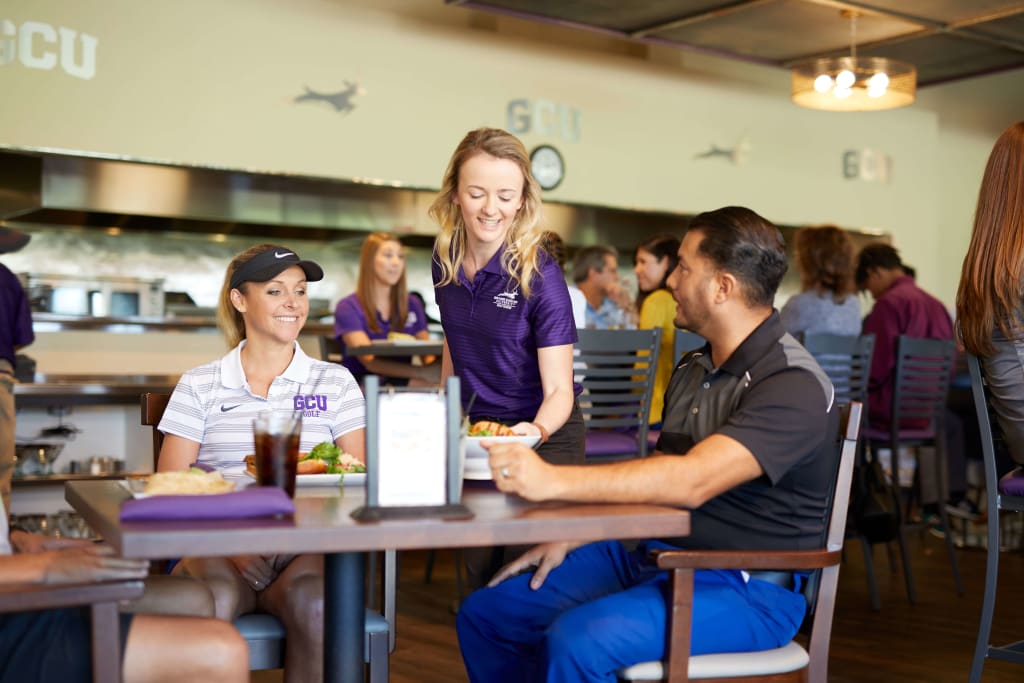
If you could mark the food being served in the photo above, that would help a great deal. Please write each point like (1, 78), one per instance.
(192, 481)
(325, 458)
(488, 428)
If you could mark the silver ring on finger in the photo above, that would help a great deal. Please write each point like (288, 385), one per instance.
(505, 473)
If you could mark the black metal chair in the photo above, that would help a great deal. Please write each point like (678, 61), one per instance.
(1006, 493)
(847, 362)
(924, 368)
(331, 348)
(616, 369)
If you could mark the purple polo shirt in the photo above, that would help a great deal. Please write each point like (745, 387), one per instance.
(350, 317)
(907, 309)
(493, 334)
(15, 316)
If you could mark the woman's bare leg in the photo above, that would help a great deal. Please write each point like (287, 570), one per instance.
(174, 596)
(296, 597)
(232, 596)
(164, 649)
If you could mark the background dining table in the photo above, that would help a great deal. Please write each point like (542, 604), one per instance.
(323, 524)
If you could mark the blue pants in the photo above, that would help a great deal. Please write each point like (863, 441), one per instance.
(605, 608)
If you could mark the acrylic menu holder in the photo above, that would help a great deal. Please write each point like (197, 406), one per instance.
(413, 453)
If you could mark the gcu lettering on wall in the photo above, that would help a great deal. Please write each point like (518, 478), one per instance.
(36, 45)
(867, 164)
(544, 117)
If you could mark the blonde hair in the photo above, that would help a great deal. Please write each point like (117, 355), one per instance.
(229, 319)
(367, 283)
(523, 239)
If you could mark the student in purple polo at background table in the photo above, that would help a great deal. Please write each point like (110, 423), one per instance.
(380, 307)
(505, 307)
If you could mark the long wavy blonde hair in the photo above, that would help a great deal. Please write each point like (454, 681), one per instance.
(367, 283)
(522, 241)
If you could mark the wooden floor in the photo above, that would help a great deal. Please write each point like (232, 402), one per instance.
(929, 642)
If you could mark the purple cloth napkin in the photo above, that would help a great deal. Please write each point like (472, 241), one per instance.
(255, 501)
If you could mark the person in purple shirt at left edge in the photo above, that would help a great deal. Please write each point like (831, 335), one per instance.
(15, 332)
(505, 307)
(380, 306)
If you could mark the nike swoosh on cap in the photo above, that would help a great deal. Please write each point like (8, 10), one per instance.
(224, 408)
(280, 255)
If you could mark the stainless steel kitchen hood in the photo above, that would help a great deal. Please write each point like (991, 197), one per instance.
(57, 189)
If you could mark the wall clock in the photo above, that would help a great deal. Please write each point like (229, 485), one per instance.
(547, 166)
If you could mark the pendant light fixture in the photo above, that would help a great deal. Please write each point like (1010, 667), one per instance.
(854, 83)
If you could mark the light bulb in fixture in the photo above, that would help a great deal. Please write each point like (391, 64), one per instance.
(880, 81)
(823, 83)
(845, 79)
(876, 92)
(841, 92)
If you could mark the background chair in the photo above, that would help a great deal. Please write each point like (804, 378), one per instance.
(102, 600)
(847, 362)
(617, 375)
(790, 662)
(924, 368)
(330, 348)
(264, 632)
(1006, 493)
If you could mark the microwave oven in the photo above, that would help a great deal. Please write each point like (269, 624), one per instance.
(96, 296)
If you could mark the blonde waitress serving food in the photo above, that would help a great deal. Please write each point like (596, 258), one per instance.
(263, 306)
(505, 307)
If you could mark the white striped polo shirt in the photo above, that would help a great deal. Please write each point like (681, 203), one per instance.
(213, 406)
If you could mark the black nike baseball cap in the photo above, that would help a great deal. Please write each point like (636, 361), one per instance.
(267, 264)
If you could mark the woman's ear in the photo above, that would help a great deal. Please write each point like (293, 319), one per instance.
(237, 300)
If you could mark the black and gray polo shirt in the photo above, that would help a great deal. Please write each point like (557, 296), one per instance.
(772, 397)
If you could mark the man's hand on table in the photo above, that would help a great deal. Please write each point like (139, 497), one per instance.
(518, 469)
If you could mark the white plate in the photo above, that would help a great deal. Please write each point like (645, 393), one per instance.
(475, 450)
(351, 479)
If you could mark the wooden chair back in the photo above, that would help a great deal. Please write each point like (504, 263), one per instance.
(153, 406)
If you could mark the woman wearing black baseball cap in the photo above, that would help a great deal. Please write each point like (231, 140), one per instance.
(263, 307)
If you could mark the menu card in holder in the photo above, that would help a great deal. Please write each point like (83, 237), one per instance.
(413, 452)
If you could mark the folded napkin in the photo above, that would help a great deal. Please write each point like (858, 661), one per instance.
(255, 501)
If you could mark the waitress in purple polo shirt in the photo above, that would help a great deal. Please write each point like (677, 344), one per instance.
(380, 306)
(505, 307)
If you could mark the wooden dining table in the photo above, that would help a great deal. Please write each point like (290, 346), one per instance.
(323, 524)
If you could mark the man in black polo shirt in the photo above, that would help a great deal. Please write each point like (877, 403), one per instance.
(747, 444)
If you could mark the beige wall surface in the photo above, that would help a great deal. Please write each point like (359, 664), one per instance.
(214, 84)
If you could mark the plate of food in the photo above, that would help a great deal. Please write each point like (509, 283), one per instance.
(193, 481)
(492, 432)
(325, 465)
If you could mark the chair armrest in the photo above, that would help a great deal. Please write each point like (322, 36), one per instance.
(747, 559)
(22, 598)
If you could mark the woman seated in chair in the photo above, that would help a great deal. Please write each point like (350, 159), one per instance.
(263, 306)
(654, 260)
(381, 308)
(826, 302)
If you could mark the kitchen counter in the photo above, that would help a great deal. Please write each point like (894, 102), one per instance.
(50, 389)
(51, 322)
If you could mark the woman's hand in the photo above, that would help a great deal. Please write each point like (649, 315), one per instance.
(544, 557)
(255, 570)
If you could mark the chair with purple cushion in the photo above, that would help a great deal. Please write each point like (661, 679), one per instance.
(616, 369)
(924, 368)
(1005, 493)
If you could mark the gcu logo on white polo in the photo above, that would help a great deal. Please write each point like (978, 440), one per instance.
(35, 45)
(506, 300)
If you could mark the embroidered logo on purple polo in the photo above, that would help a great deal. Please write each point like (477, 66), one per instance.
(507, 300)
(311, 405)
